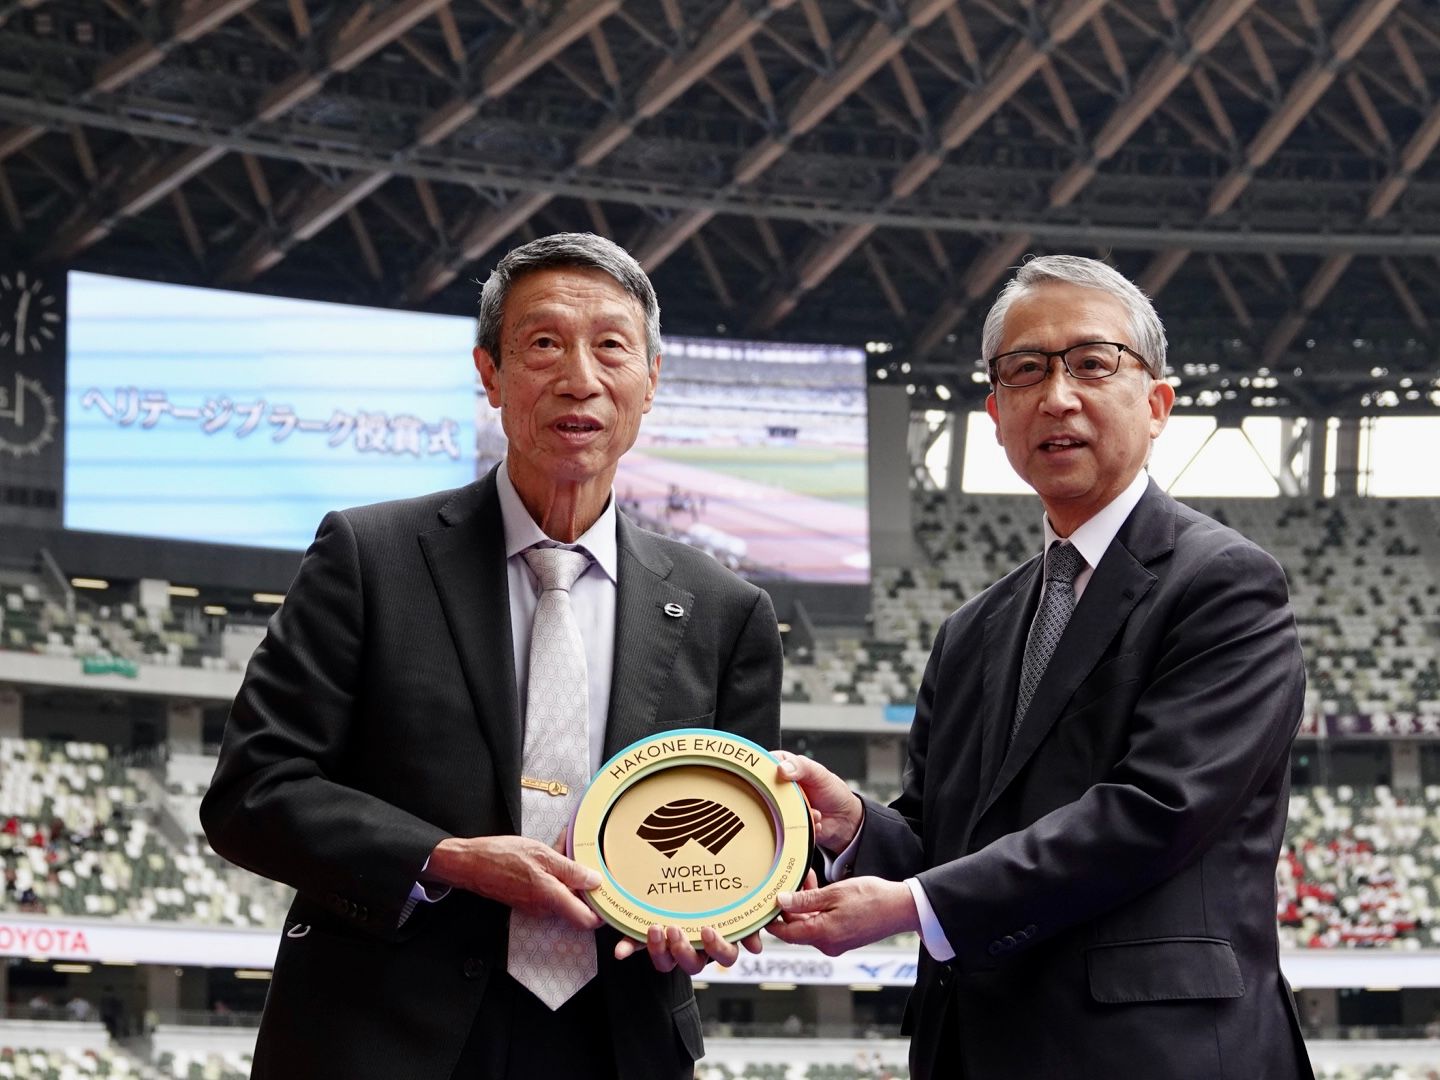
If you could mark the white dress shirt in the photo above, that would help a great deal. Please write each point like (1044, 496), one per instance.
(592, 600)
(1092, 540)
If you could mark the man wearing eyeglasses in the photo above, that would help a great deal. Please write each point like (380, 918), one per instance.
(1098, 770)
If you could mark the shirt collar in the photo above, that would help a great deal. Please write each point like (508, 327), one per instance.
(1092, 539)
(522, 533)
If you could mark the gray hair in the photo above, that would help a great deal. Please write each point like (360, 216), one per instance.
(1145, 326)
(560, 250)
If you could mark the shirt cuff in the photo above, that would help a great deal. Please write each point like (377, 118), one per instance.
(421, 892)
(931, 934)
(841, 866)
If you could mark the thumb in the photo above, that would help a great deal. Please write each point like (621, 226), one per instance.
(801, 903)
(795, 767)
(572, 875)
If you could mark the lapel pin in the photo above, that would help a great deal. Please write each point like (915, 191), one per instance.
(674, 610)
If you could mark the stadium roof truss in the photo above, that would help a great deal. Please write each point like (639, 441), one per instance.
(827, 170)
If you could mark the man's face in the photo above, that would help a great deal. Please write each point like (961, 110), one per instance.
(572, 381)
(1077, 443)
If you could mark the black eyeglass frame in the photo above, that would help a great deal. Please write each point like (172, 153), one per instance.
(994, 361)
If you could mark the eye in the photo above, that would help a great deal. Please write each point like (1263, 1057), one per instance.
(1091, 358)
(543, 341)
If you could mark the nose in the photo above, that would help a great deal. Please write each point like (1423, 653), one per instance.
(1058, 393)
(581, 376)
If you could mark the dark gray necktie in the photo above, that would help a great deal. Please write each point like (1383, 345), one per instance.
(1062, 564)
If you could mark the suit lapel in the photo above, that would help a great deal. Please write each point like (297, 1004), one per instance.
(1115, 588)
(646, 637)
(466, 558)
(1004, 645)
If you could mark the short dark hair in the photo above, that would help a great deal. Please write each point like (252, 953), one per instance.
(561, 250)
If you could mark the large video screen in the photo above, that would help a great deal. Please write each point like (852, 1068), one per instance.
(753, 451)
(207, 415)
(200, 414)
(756, 452)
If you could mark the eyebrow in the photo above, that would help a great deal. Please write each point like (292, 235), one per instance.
(1077, 339)
(609, 318)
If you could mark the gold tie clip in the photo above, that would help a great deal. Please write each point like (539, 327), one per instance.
(551, 787)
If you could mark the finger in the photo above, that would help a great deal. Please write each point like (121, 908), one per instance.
(569, 872)
(753, 943)
(687, 959)
(571, 908)
(659, 954)
(626, 948)
(811, 881)
(798, 932)
(717, 948)
(800, 903)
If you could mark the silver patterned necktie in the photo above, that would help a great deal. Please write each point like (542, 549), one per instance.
(547, 955)
(1062, 565)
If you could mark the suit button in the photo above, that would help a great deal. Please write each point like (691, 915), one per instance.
(1009, 942)
(473, 967)
(1031, 930)
(995, 948)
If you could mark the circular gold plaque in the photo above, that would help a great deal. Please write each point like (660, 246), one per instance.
(691, 828)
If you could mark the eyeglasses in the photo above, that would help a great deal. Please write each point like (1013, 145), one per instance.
(1088, 360)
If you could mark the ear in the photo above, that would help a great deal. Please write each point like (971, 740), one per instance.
(993, 408)
(489, 374)
(654, 381)
(1162, 400)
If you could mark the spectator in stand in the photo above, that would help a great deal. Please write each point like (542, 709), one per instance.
(79, 1009)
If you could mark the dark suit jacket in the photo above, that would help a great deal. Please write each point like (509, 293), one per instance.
(1109, 883)
(380, 715)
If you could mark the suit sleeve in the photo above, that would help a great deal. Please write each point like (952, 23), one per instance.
(747, 700)
(1221, 706)
(889, 845)
(275, 805)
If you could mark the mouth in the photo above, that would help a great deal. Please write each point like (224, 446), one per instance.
(577, 425)
(1061, 443)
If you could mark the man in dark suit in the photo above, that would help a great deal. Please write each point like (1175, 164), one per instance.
(1098, 771)
(376, 757)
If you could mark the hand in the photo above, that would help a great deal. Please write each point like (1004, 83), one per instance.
(669, 949)
(846, 915)
(836, 811)
(518, 872)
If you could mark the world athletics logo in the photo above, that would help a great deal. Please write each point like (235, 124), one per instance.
(708, 823)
